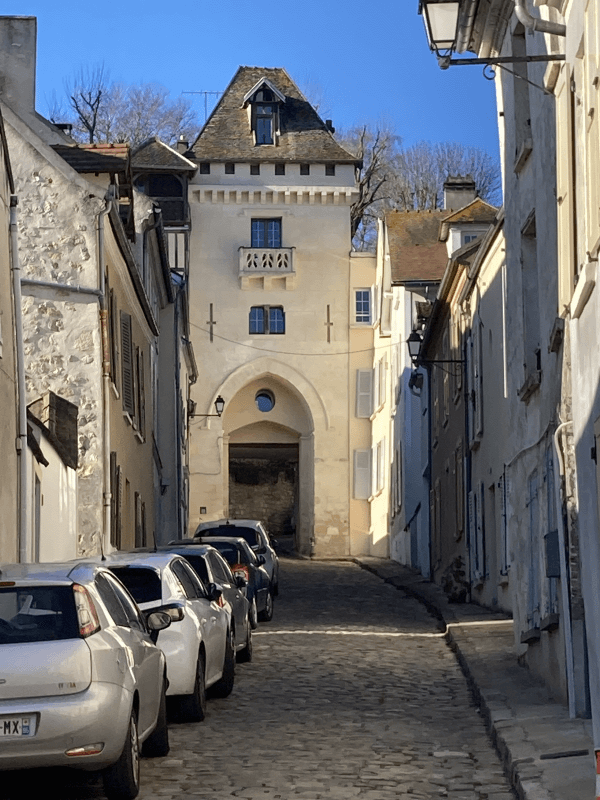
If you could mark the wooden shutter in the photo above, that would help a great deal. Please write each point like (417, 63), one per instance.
(141, 391)
(364, 392)
(477, 381)
(113, 336)
(127, 387)
(472, 505)
(565, 188)
(362, 474)
(114, 488)
(139, 537)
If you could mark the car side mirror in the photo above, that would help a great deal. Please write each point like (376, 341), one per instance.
(241, 581)
(262, 549)
(215, 592)
(157, 621)
(261, 560)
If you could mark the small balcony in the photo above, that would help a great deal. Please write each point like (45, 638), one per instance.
(267, 267)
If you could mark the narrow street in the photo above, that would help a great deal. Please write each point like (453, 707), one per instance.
(351, 694)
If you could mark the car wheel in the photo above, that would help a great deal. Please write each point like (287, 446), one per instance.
(245, 654)
(157, 744)
(253, 614)
(193, 706)
(224, 686)
(122, 779)
(266, 615)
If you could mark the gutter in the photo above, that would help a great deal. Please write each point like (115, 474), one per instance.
(559, 476)
(536, 23)
(106, 494)
(21, 442)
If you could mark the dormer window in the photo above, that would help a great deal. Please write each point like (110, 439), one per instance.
(264, 100)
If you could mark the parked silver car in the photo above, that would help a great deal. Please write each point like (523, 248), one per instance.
(255, 533)
(83, 682)
(198, 644)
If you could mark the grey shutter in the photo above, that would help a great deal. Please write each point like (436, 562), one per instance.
(478, 382)
(362, 474)
(364, 392)
(127, 364)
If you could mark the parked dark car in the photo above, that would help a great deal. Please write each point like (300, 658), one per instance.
(255, 533)
(243, 561)
(213, 570)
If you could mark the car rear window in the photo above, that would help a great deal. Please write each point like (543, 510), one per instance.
(249, 534)
(37, 614)
(230, 553)
(199, 565)
(143, 583)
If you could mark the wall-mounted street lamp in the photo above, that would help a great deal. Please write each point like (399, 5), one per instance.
(219, 408)
(414, 343)
(442, 17)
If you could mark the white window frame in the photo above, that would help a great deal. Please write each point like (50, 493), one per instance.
(355, 312)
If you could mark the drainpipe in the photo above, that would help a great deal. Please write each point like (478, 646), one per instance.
(564, 578)
(106, 495)
(21, 442)
(536, 23)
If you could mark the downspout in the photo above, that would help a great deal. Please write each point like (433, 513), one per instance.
(564, 578)
(106, 495)
(536, 23)
(21, 442)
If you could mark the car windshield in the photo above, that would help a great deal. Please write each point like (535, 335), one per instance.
(249, 534)
(231, 553)
(199, 564)
(37, 614)
(142, 582)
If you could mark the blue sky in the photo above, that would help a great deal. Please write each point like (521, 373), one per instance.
(370, 62)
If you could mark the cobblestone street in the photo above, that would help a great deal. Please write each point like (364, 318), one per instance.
(352, 693)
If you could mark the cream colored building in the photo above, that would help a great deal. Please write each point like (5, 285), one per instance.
(283, 316)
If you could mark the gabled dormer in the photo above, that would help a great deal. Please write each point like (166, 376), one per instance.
(263, 102)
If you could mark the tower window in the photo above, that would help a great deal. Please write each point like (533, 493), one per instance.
(267, 319)
(204, 168)
(265, 118)
(304, 169)
(329, 169)
(266, 233)
(279, 169)
(229, 169)
(254, 169)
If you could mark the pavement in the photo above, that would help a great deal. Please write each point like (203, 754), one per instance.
(547, 755)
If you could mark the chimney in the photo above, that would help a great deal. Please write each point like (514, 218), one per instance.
(182, 145)
(459, 190)
(329, 125)
(18, 39)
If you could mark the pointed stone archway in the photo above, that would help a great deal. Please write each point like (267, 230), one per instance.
(268, 457)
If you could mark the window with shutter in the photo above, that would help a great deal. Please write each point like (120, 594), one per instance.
(364, 392)
(141, 392)
(127, 365)
(139, 534)
(376, 386)
(458, 474)
(477, 381)
(113, 335)
(504, 562)
(362, 474)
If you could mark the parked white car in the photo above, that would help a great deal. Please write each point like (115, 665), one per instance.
(255, 533)
(82, 682)
(199, 644)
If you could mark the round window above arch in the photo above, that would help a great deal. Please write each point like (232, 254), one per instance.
(265, 400)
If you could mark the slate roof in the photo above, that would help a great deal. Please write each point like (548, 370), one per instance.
(95, 158)
(416, 253)
(157, 156)
(475, 212)
(304, 137)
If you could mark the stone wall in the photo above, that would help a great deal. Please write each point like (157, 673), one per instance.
(265, 489)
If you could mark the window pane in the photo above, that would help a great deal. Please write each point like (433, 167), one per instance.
(257, 319)
(258, 233)
(363, 305)
(37, 614)
(264, 128)
(274, 233)
(276, 320)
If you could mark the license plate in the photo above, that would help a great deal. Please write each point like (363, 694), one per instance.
(17, 726)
